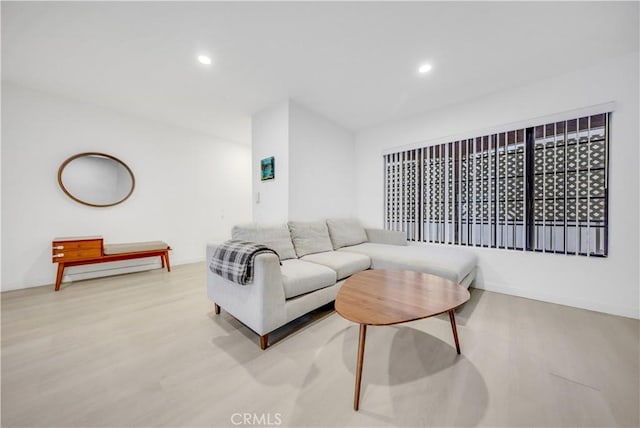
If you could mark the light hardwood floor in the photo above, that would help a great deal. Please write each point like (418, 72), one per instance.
(145, 349)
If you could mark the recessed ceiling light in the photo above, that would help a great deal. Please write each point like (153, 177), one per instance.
(203, 59)
(424, 68)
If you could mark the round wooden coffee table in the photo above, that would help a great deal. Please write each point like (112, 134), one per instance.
(386, 297)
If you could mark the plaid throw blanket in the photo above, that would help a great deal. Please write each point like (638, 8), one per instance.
(233, 260)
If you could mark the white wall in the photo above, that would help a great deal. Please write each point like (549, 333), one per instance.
(270, 137)
(608, 285)
(314, 176)
(190, 187)
(321, 173)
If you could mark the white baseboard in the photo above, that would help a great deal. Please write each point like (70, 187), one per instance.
(576, 302)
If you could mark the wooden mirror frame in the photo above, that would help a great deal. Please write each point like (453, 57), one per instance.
(113, 158)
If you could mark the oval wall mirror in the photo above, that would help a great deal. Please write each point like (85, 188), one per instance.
(96, 179)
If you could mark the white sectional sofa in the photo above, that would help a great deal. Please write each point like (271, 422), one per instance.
(315, 258)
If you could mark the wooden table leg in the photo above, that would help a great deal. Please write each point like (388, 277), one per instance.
(59, 276)
(363, 336)
(452, 318)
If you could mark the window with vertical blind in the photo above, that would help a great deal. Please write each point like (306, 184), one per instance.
(540, 188)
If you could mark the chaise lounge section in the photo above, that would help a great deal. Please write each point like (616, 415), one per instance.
(313, 260)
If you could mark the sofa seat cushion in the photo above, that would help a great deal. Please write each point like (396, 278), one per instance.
(345, 264)
(448, 262)
(300, 277)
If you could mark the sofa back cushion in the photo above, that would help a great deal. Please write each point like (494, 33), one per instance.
(275, 236)
(346, 232)
(310, 237)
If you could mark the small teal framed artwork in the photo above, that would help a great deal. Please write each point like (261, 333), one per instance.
(267, 168)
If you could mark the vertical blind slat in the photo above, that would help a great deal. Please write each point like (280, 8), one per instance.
(577, 187)
(459, 231)
(544, 188)
(589, 186)
(524, 189)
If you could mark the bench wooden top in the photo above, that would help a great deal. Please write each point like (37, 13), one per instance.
(76, 238)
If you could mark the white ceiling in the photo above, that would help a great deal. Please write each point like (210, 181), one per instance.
(355, 62)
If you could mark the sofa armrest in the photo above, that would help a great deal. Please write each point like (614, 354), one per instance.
(390, 237)
(259, 305)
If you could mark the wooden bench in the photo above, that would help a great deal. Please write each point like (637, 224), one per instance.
(78, 251)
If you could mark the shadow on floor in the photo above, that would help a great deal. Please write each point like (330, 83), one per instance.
(410, 378)
(247, 350)
(465, 312)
